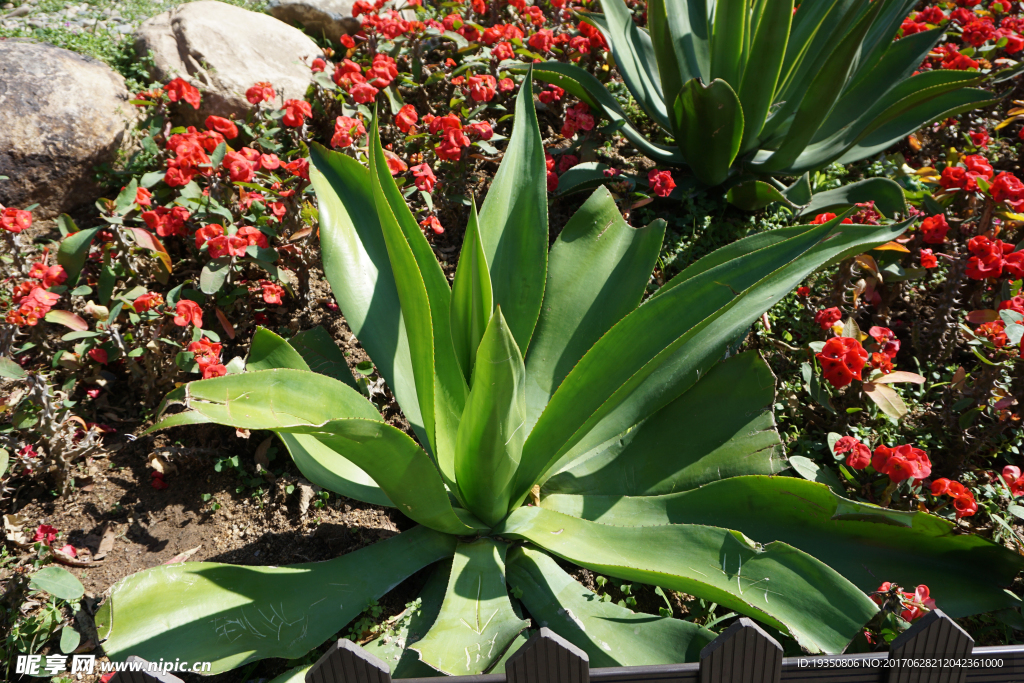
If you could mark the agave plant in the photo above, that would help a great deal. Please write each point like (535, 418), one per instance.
(557, 417)
(747, 89)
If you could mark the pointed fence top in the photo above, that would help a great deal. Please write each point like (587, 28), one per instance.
(743, 653)
(933, 636)
(548, 658)
(346, 662)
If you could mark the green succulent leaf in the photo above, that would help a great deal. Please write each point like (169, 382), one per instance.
(270, 351)
(358, 269)
(763, 67)
(597, 273)
(865, 543)
(690, 442)
(886, 194)
(514, 223)
(322, 355)
(476, 624)
(776, 584)
(610, 635)
(710, 124)
(58, 582)
(329, 470)
(472, 302)
(73, 251)
(753, 195)
(492, 431)
(404, 472)
(230, 615)
(727, 40)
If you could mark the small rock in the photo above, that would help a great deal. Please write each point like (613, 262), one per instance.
(321, 18)
(9, 5)
(19, 12)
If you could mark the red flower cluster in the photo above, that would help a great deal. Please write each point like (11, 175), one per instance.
(1008, 188)
(482, 88)
(167, 221)
(33, 303)
(179, 89)
(966, 177)
(842, 360)
(661, 182)
(901, 462)
(859, 454)
(207, 355)
(188, 313)
(963, 499)
(260, 92)
(915, 604)
(991, 258)
(453, 138)
(928, 259)
(425, 178)
(934, 229)
(406, 118)
(578, 117)
(296, 112)
(1014, 481)
(346, 131)
(51, 276)
(828, 317)
(15, 220)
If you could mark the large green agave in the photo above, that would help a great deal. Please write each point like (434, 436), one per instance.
(539, 375)
(748, 88)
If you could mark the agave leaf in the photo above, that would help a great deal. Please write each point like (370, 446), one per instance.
(491, 434)
(358, 269)
(710, 124)
(762, 70)
(656, 352)
(472, 304)
(722, 427)
(690, 31)
(319, 464)
(230, 615)
(583, 85)
(273, 399)
(610, 635)
(411, 625)
(821, 95)
(882, 37)
(944, 106)
(634, 57)
(728, 36)
(476, 624)
(672, 73)
(887, 195)
(753, 195)
(598, 271)
(322, 355)
(329, 470)
(514, 223)
(865, 543)
(776, 584)
(404, 472)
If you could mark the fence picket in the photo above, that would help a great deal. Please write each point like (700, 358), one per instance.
(346, 662)
(743, 653)
(933, 636)
(548, 658)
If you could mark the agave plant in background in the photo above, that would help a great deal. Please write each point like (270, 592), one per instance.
(557, 417)
(748, 89)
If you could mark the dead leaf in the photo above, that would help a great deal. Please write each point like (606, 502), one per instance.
(182, 557)
(162, 466)
(305, 496)
(892, 246)
(900, 376)
(64, 558)
(12, 530)
(106, 543)
(958, 378)
(868, 261)
(261, 454)
(986, 315)
(229, 329)
(242, 433)
(887, 400)
(299, 234)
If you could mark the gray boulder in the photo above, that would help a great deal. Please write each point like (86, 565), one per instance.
(60, 115)
(223, 50)
(329, 19)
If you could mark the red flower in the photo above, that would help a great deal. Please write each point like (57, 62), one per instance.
(363, 93)
(987, 258)
(859, 454)
(299, 167)
(45, 534)
(188, 313)
(480, 129)
(226, 245)
(567, 161)
(803, 292)
(541, 40)
(179, 89)
(918, 603)
(253, 236)
(15, 220)
(934, 229)
(902, 462)
(432, 223)
(261, 92)
(318, 65)
(215, 370)
(425, 178)
(828, 317)
(406, 118)
(1014, 304)
(661, 182)
(296, 112)
(881, 362)
(223, 126)
(208, 232)
(269, 162)
(506, 84)
(156, 479)
(272, 292)
(977, 32)
(1008, 188)
(395, 163)
(940, 486)
(551, 94)
(980, 138)
(240, 169)
(451, 146)
(552, 181)
(205, 352)
(503, 51)
(842, 360)
(995, 332)
(54, 276)
(147, 302)
(928, 259)
(886, 340)
(143, 197)
(1014, 481)
(98, 355)
(482, 88)
(577, 118)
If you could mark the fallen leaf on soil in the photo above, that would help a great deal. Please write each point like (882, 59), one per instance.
(12, 530)
(64, 558)
(106, 543)
(261, 453)
(160, 465)
(242, 433)
(181, 557)
(305, 496)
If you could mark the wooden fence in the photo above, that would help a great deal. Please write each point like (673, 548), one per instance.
(934, 650)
